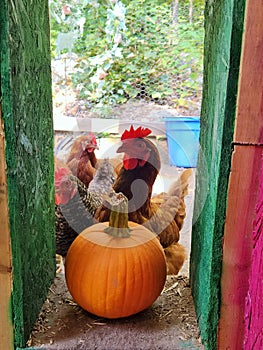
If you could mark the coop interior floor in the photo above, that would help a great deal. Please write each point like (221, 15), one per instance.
(170, 323)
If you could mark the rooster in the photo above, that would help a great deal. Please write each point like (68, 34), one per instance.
(165, 216)
(82, 160)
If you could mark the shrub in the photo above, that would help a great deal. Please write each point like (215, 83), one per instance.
(138, 49)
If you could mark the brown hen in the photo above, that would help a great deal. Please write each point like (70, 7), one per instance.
(163, 215)
(82, 160)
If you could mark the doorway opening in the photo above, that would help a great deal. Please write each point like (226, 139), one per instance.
(117, 64)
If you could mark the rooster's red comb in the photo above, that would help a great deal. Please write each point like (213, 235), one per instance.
(134, 134)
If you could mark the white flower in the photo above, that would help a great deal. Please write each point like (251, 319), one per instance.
(119, 10)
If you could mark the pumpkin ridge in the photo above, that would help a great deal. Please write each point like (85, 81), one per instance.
(93, 290)
(75, 259)
(142, 269)
(108, 282)
(124, 273)
(161, 254)
(83, 269)
(147, 260)
(127, 299)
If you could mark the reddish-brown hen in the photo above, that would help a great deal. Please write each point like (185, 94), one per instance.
(164, 215)
(82, 160)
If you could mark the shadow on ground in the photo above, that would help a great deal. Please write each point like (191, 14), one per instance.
(169, 323)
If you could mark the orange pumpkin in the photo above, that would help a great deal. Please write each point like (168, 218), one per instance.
(115, 269)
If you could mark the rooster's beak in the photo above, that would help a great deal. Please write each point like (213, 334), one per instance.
(122, 149)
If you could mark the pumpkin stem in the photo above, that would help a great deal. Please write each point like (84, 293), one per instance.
(118, 222)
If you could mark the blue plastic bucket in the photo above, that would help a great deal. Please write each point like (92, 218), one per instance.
(183, 140)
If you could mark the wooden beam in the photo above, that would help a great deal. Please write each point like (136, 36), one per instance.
(244, 183)
(249, 126)
(6, 328)
(237, 247)
(254, 303)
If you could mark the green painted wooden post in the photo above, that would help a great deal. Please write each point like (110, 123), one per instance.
(27, 115)
(224, 27)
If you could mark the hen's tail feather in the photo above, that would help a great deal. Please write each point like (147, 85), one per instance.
(173, 201)
(180, 186)
(175, 253)
(175, 257)
(178, 189)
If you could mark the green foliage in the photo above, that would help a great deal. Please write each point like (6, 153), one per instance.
(138, 49)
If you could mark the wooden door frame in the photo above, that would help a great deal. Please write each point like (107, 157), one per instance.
(244, 183)
(6, 329)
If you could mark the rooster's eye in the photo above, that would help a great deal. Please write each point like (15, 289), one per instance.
(140, 144)
(67, 183)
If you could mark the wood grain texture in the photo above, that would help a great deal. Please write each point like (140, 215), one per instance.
(238, 253)
(26, 98)
(237, 248)
(243, 193)
(224, 28)
(254, 298)
(6, 328)
(249, 125)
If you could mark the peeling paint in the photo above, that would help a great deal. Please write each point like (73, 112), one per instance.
(26, 143)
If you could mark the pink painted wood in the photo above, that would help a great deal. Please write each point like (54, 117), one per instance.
(238, 244)
(241, 252)
(254, 299)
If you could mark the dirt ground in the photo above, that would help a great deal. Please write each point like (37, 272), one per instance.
(169, 323)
